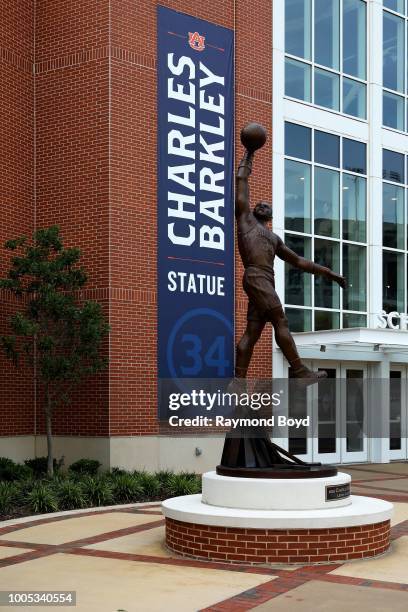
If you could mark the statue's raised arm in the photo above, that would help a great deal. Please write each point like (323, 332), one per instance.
(242, 208)
(253, 137)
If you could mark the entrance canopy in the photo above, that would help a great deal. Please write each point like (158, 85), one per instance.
(354, 344)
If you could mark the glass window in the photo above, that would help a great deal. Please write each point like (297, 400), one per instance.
(325, 319)
(297, 196)
(297, 408)
(393, 111)
(394, 5)
(298, 141)
(332, 176)
(327, 33)
(354, 156)
(393, 281)
(298, 27)
(393, 51)
(354, 269)
(327, 293)
(354, 208)
(299, 320)
(393, 166)
(297, 284)
(326, 89)
(396, 403)
(354, 410)
(327, 412)
(393, 216)
(326, 222)
(297, 80)
(354, 320)
(354, 38)
(354, 98)
(327, 149)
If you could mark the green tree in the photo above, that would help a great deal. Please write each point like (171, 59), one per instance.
(55, 330)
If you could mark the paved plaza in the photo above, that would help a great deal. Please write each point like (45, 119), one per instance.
(115, 560)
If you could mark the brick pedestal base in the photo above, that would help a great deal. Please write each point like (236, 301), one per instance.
(233, 545)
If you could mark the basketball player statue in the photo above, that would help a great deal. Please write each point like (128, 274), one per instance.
(250, 452)
(258, 247)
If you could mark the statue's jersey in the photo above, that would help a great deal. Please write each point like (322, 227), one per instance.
(258, 247)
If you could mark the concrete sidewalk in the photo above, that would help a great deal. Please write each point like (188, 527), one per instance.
(115, 560)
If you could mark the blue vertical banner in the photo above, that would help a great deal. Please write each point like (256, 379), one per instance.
(195, 197)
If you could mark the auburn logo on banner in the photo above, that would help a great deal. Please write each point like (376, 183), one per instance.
(196, 41)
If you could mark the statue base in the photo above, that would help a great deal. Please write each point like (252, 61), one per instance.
(259, 457)
(285, 471)
(273, 521)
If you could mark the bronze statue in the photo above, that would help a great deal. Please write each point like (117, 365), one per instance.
(258, 247)
(252, 453)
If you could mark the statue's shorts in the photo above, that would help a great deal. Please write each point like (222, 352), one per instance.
(259, 285)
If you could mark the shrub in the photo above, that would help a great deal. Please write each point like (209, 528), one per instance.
(126, 488)
(164, 479)
(8, 496)
(89, 467)
(184, 484)
(149, 483)
(10, 471)
(98, 490)
(70, 495)
(39, 465)
(42, 499)
(24, 488)
(5, 462)
(115, 471)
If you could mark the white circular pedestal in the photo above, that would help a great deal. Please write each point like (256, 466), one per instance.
(275, 494)
(250, 520)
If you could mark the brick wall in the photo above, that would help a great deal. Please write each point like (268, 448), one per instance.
(72, 164)
(95, 152)
(252, 546)
(133, 184)
(16, 189)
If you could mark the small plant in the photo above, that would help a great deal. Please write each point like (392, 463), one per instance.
(149, 482)
(98, 490)
(5, 462)
(126, 488)
(89, 467)
(39, 465)
(8, 496)
(70, 495)
(115, 471)
(184, 484)
(42, 499)
(24, 488)
(10, 471)
(164, 478)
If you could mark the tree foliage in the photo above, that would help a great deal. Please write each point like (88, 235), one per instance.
(55, 330)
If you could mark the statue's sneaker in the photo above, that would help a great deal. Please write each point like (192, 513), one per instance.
(307, 377)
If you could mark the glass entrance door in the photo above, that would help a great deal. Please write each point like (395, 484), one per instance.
(354, 413)
(326, 402)
(398, 412)
(338, 411)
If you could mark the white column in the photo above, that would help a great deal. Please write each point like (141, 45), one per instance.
(378, 393)
(378, 413)
(374, 200)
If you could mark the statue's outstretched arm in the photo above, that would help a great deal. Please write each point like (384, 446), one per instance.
(308, 266)
(241, 185)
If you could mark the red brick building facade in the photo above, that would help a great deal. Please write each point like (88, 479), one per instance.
(78, 149)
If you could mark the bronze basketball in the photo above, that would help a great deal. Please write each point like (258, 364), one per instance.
(253, 136)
